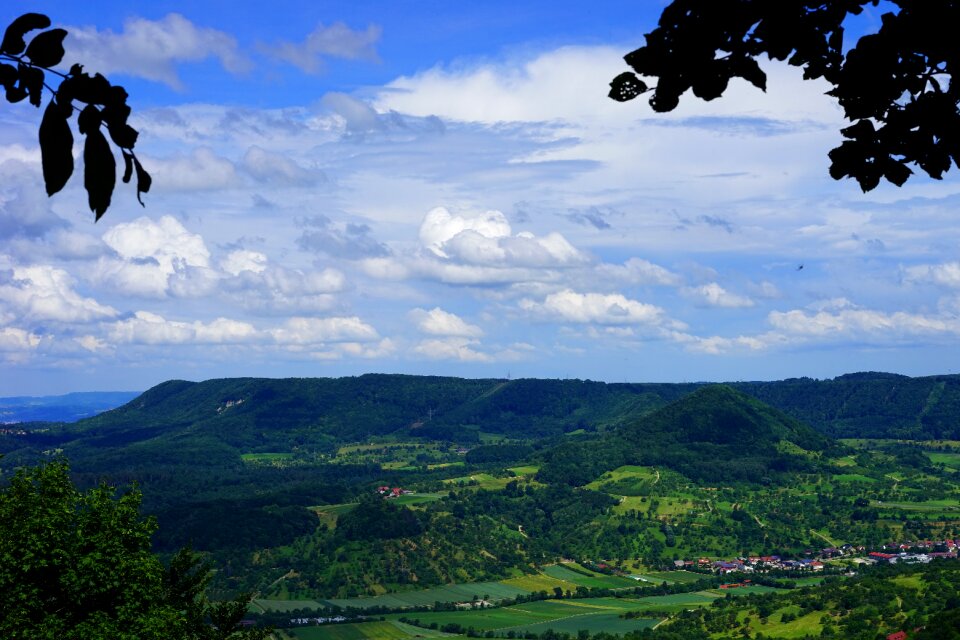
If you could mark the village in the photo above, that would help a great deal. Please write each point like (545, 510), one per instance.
(918, 551)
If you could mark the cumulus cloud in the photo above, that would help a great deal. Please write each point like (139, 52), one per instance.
(275, 290)
(350, 241)
(152, 49)
(312, 331)
(453, 348)
(242, 260)
(43, 293)
(861, 323)
(152, 255)
(200, 170)
(16, 340)
(946, 274)
(438, 322)
(487, 239)
(334, 41)
(25, 211)
(152, 329)
(358, 117)
(278, 170)
(638, 271)
(712, 294)
(594, 308)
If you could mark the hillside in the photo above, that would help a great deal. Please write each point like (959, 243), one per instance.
(714, 434)
(249, 412)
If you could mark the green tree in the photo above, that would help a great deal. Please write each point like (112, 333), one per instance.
(896, 85)
(77, 565)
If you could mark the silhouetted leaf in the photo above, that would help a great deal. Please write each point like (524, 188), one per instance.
(749, 70)
(144, 181)
(89, 119)
(8, 75)
(90, 89)
(13, 43)
(31, 80)
(99, 171)
(896, 172)
(46, 49)
(56, 147)
(626, 86)
(127, 166)
(16, 94)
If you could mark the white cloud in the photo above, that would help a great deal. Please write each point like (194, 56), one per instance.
(336, 41)
(453, 348)
(151, 255)
(594, 308)
(712, 294)
(861, 323)
(571, 83)
(438, 322)
(946, 274)
(43, 293)
(638, 271)
(312, 331)
(277, 169)
(487, 239)
(277, 290)
(243, 260)
(152, 49)
(16, 340)
(201, 170)
(149, 328)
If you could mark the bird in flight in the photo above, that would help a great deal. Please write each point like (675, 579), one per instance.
(800, 268)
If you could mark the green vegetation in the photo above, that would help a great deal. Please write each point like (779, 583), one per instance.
(78, 565)
(440, 506)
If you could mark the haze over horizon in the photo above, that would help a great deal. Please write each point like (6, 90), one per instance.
(447, 190)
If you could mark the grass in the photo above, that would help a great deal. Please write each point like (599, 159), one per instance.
(265, 457)
(539, 582)
(391, 630)
(562, 572)
(683, 577)
(849, 478)
(568, 616)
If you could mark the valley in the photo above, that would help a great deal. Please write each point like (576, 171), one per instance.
(400, 507)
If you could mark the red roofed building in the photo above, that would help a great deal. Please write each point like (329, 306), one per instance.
(899, 635)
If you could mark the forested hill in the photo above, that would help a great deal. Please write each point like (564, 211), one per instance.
(715, 434)
(252, 412)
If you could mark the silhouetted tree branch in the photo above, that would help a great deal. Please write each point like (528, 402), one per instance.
(105, 106)
(896, 85)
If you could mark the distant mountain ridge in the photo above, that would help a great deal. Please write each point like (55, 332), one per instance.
(68, 407)
(715, 434)
(877, 405)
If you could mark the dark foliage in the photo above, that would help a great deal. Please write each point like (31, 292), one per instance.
(896, 86)
(106, 106)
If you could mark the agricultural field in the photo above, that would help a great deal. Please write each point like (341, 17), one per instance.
(266, 458)
(391, 630)
(570, 616)
(575, 574)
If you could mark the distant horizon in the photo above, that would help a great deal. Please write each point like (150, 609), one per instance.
(738, 380)
(446, 189)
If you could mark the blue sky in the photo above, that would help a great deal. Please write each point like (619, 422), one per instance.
(444, 188)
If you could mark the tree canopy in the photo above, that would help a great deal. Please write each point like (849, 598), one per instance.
(896, 85)
(105, 106)
(78, 565)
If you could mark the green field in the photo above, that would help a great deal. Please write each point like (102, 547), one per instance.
(265, 458)
(563, 572)
(452, 593)
(570, 616)
(391, 630)
(948, 460)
